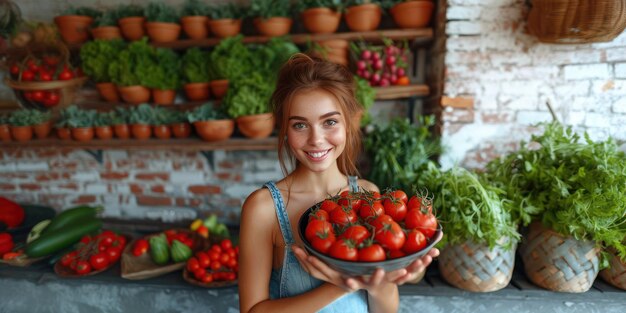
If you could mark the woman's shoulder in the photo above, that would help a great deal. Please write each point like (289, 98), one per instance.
(259, 198)
(367, 185)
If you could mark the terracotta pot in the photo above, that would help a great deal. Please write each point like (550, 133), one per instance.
(121, 131)
(163, 97)
(364, 17)
(74, 29)
(134, 94)
(5, 133)
(197, 91)
(196, 27)
(82, 133)
(256, 126)
(141, 131)
(106, 32)
(21, 133)
(108, 92)
(273, 26)
(336, 47)
(162, 131)
(214, 130)
(321, 20)
(412, 14)
(104, 132)
(64, 133)
(181, 130)
(219, 88)
(132, 28)
(43, 130)
(226, 27)
(162, 32)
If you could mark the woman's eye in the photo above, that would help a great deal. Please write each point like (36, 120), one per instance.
(330, 122)
(298, 126)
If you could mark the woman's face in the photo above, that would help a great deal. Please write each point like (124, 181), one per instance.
(316, 130)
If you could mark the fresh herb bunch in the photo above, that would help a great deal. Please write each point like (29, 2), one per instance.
(107, 18)
(96, 55)
(164, 116)
(194, 8)
(104, 119)
(129, 10)
(161, 12)
(28, 117)
(249, 95)
(206, 112)
(227, 10)
(365, 95)
(142, 114)
(120, 116)
(84, 11)
(133, 64)
(573, 185)
(335, 5)
(270, 8)
(469, 208)
(195, 66)
(164, 71)
(75, 117)
(399, 152)
(230, 59)
(268, 58)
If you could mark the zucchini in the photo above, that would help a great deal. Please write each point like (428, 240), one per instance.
(70, 217)
(159, 250)
(51, 242)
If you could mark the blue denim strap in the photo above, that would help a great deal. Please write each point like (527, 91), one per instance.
(281, 212)
(353, 184)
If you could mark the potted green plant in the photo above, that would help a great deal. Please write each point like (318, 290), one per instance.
(62, 129)
(5, 132)
(95, 57)
(228, 60)
(247, 102)
(410, 13)
(119, 121)
(105, 26)
(74, 23)
(131, 69)
(195, 74)
(226, 20)
(26, 121)
(272, 18)
(211, 123)
(194, 19)
(180, 124)
(363, 15)
(103, 125)
(320, 16)
(141, 119)
(365, 96)
(130, 18)
(164, 78)
(80, 122)
(162, 22)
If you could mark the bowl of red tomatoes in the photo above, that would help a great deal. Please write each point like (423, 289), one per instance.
(357, 232)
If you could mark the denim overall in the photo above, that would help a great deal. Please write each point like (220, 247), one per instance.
(291, 279)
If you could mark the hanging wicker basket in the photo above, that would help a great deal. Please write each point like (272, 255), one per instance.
(66, 88)
(616, 273)
(475, 267)
(577, 21)
(558, 263)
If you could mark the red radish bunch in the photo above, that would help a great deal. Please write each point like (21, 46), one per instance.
(382, 66)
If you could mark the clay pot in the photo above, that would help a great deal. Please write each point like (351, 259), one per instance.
(219, 88)
(104, 132)
(121, 131)
(5, 133)
(181, 130)
(42, 130)
(162, 131)
(74, 29)
(197, 91)
(64, 133)
(82, 133)
(273, 26)
(196, 27)
(163, 97)
(226, 27)
(214, 130)
(321, 20)
(132, 27)
(162, 32)
(141, 131)
(106, 32)
(412, 14)
(364, 17)
(108, 92)
(134, 94)
(21, 133)
(256, 126)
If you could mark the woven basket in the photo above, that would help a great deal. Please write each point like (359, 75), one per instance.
(475, 267)
(616, 273)
(67, 89)
(558, 263)
(577, 21)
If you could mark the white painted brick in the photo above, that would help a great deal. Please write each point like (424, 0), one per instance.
(114, 155)
(461, 58)
(240, 191)
(32, 166)
(532, 72)
(160, 165)
(597, 120)
(495, 41)
(620, 70)
(463, 13)
(268, 165)
(462, 43)
(550, 57)
(7, 167)
(498, 15)
(511, 58)
(462, 86)
(188, 178)
(518, 103)
(86, 176)
(520, 87)
(532, 117)
(574, 88)
(463, 28)
(619, 106)
(122, 189)
(581, 103)
(574, 118)
(261, 177)
(616, 54)
(95, 188)
(585, 71)
(598, 134)
(487, 100)
(615, 87)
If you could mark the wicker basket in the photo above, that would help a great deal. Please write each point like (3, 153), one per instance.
(475, 267)
(616, 273)
(67, 89)
(577, 21)
(558, 263)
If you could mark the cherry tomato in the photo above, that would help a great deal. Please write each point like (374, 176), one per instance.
(323, 241)
(67, 259)
(45, 76)
(417, 203)
(214, 256)
(349, 199)
(224, 258)
(371, 210)
(141, 247)
(199, 273)
(415, 241)
(390, 235)
(207, 279)
(203, 259)
(317, 227)
(82, 267)
(66, 74)
(395, 208)
(343, 216)
(28, 76)
(343, 249)
(38, 95)
(120, 241)
(99, 261)
(15, 69)
(394, 254)
(193, 264)
(113, 253)
(403, 81)
(356, 233)
(399, 195)
(423, 220)
(319, 214)
(216, 265)
(372, 253)
(328, 205)
(226, 244)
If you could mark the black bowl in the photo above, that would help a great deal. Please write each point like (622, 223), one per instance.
(363, 268)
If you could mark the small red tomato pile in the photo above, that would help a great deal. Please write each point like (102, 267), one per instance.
(218, 263)
(94, 253)
(368, 227)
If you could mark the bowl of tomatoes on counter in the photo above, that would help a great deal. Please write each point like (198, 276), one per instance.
(357, 232)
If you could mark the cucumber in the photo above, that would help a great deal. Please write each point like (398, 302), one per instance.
(71, 216)
(51, 242)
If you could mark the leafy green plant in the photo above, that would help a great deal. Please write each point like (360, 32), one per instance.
(350, 3)
(270, 8)
(129, 10)
(399, 152)
(194, 8)
(164, 116)
(107, 18)
(120, 116)
(227, 10)
(206, 112)
(249, 95)
(164, 71)
(142, 114)
(388, 4)
(195, 66)
(104, 118)
(336, 5)
(269, 58)
(179, 117)
(133, 64)
(365, 95)
(75, 117)
(161, 12)
(28, 117)
(96, 55)
(4, 119)
(230, 59)
(84, 11)
(571, 184)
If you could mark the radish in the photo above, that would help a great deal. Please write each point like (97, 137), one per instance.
(384, 82)
(391, 60)
(400, 72)
(361, 65)
(366, 54)
(378, 64)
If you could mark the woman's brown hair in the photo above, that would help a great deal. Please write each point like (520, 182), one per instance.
(304, 73)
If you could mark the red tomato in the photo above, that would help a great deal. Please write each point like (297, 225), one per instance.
(207, 279)
(193, 264)
(372, 253)
(319, 214)
(226, 244)
(99, 261)
(28, 76)
(120, 241)
(394, 254)
(371, 210)
(113, 253)
(67, 259)
(28, 95)
(349, 199)
(33, 67)
(232, 263)
(328, 205)
(51, 98)
(51, 60)
(423, 220)
(417, 203)
(323, 241)
(66, 74)
(82, 267)
(199, 273)
(381, 221)
(85, 239)
(15, 69)
(356, 233)
(343, 216)
(141, 247)
(399, 195)
(317, 227)
(106, 238)
(216, 248)
(224, 258)
(203, 259)
(415, 241)
(38, 95)
(45, 76)
(395, 208)
(216, 265)
(343, 249)
(390, 235)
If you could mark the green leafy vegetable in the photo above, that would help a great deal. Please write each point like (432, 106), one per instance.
(96, 56)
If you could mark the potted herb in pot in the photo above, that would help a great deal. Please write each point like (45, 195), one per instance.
(195, 73)
(226, 20)
(320, 16)
(272, 18)
(162, 22)
(141, 119)
(5, 132)
(194, 19)
(22, 124)
(211, 123)
(363, 15)
(103, 125)
(119, 120)
(42, 123)
(80, 122)
(410, 13)
(130, 70)
(162, 119)
(74, 23)
(229, 60)
(95, 58)
(62, 129)
(105, 26)
(130, 18)
(180, 124)
(248, 103)
(164, 78)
